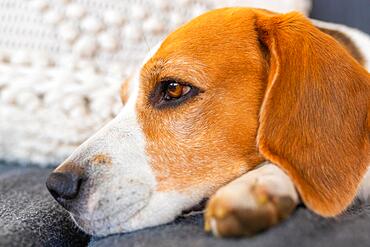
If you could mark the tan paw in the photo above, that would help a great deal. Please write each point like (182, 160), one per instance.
(234, 212)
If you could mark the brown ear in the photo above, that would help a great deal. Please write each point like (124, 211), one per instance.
(314, 117)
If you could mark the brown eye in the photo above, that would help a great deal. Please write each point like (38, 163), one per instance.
(175, 90)
(171, 93)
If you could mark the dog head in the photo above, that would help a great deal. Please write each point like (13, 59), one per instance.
(221, 94)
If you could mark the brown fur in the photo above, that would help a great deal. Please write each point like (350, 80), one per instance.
(210, 139)
(260, 72)
(344, 40)
(101, 159)
(314, 114)
(124, 91)
(69, 166)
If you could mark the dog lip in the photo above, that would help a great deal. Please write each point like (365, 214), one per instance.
(121, 207)
(125, 207)
(102, 225)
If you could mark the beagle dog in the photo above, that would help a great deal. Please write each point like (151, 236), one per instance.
(254, 109)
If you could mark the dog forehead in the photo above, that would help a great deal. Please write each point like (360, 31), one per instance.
(222, 26)
(217, 41)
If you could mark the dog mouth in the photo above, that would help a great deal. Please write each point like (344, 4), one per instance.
(98, 212)
(159, 208)
(110, 223)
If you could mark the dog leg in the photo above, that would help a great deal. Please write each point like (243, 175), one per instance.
(364, 192)
(252, 203)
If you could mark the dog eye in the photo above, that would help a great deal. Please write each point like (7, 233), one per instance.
(175, 90)
(171, 93)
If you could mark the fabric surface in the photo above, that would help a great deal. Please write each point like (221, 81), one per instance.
(29, 216)
(351, 13)
(303, 229)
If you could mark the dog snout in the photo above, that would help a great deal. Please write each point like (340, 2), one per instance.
(64, 186)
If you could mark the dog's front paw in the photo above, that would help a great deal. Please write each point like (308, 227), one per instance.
(245, 208)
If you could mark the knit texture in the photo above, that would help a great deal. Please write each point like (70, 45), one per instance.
(62, 63)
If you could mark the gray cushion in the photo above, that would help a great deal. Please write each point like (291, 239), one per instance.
(353, 13)
(29, 216)
(301, 229)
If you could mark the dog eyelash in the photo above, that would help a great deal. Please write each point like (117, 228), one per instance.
(171, 93)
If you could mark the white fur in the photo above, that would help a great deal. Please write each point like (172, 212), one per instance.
(364, 191)
(267, 175)
(360, 39)
(117, 191)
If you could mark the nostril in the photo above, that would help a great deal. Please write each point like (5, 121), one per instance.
(64, 185)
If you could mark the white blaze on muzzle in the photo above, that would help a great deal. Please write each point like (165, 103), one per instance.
(120, 195)
(114, 191)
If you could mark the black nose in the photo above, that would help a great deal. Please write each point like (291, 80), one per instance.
(63, 185)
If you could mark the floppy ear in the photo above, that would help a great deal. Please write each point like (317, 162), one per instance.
(314, 119)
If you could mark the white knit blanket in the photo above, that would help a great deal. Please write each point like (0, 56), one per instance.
(62, 63)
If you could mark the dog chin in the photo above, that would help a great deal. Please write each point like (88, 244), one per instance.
(163, 207)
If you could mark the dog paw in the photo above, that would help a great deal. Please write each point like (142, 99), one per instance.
(244, 210)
